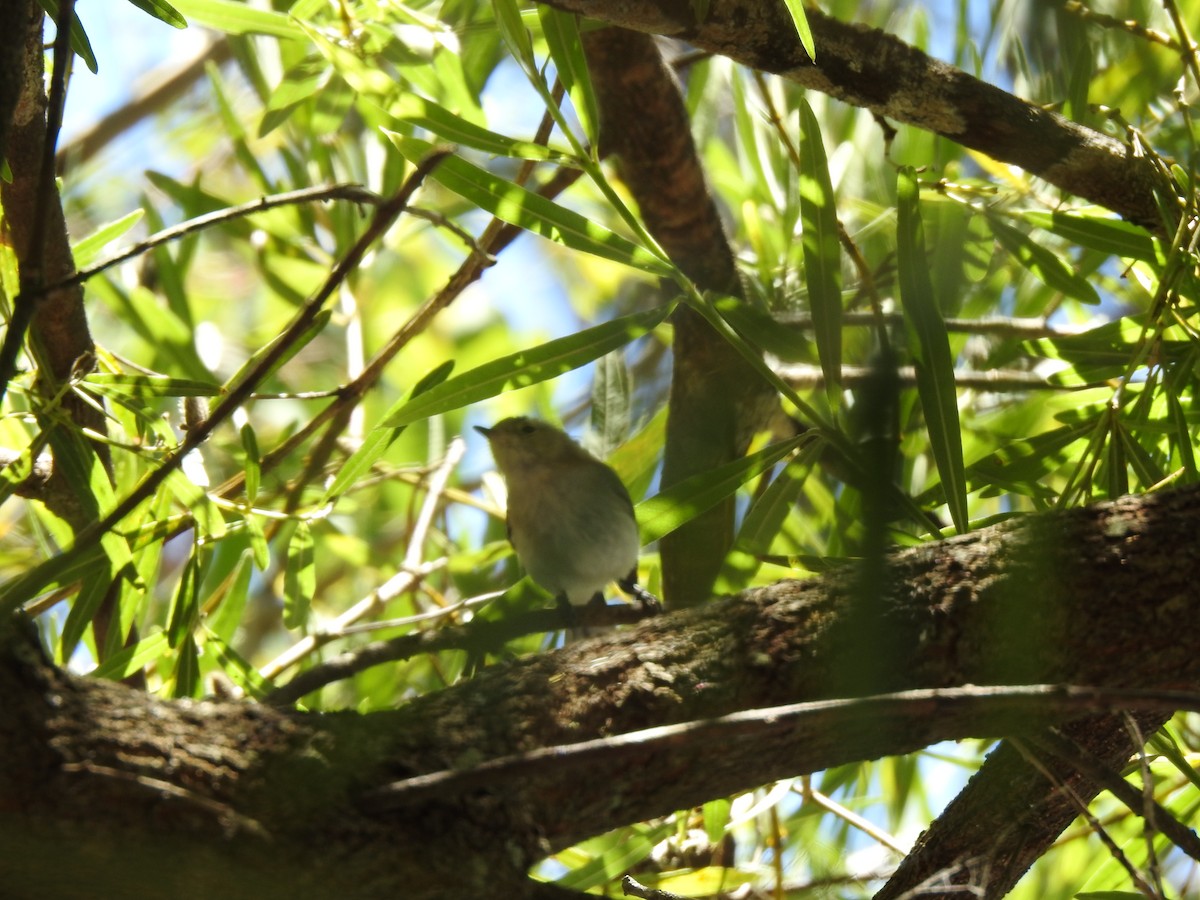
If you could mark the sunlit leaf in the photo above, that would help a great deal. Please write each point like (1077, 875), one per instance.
(1099, 231)
(239, 18)
(162, 11)
(418, 111)
(512, 203)
(930, 347)
(1045, 265)
(561, 31)
(527, 367)
(86, 250)
(663, 513)
(300, 577)
(822, 249)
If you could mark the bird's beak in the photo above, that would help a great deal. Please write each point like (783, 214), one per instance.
(486, 432)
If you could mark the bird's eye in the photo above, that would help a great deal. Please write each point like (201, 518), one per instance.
(528, 428)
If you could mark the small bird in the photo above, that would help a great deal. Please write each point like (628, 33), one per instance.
(570, 518)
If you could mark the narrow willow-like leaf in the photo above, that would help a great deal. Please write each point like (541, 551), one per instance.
(1099, 232)
(1181, 434)
(561, 31)
(133, 659)
(1044, 265)
(92, 591)
(768, 512)
(162, 11)
(320, 320)
(86, 250)
(80, 45)
(614, 854)
(515, 34)
(299, 83)
(800, 20)
(610, 404)
(822, 250)
(239, 18)
(300, 577)
(379, 439)
(416, 110)
(185, 680)
(525, 209)
(150, 385)
(224, 621)
(253, 467)
(930, 347)
(758, 327)
(185, 607)
(527, 367)
(679, 504)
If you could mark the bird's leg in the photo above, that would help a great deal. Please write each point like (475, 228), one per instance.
(648, 601)
(568, 611)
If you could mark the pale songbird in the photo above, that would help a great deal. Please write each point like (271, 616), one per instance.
(570, 518)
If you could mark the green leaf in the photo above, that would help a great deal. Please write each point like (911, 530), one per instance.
(762, 331)
(610, 405)
(320, 320)
(930, 346)
(239, 18)
(224, 621)
(300, 577)
(1099, 231)
(418, 111)
(253, 466)
(527, 367)
(822, 249)
(1045, 265)
(299, 83)
(185, 680)
(769, 510)
(796, 9)
(668, 510)
(86, 250)
(379, 439)
(185, 606)
(92, 591)
(561, 30)
(150, 385)
(525, 209)
(162, 11)
(80, 45)
(132, 659)
(515, 34)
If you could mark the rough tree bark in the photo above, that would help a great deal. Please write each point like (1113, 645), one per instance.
(204, 798)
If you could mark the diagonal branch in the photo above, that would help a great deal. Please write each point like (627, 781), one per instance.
(874, 70)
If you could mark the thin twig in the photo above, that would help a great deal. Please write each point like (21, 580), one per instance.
(1023, 700)
(1081, 807)
(1133, 798)
(995, 326)
(353, 192)
(994, 380)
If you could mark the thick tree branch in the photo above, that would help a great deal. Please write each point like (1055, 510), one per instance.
(869, 68)
(1104, 596)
